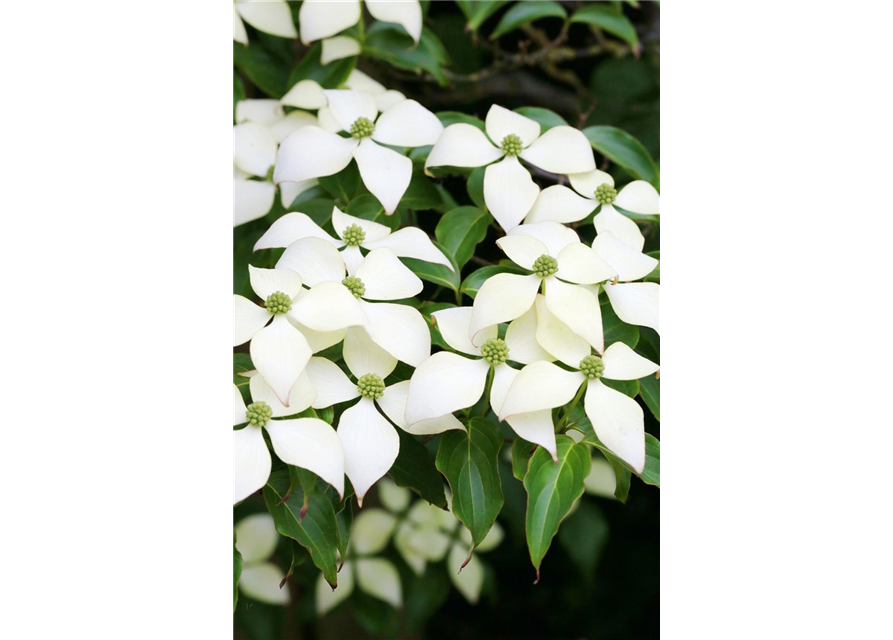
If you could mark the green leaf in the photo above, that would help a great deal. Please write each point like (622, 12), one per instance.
(242, 364)
(267, 72)
(470, 463)
(521, 453)
(460, 231)
(627, 387)
(475, 279)
(344, 185)
(624, 150)
(415, 470)
(651, 472)
(610, 18)
(615, 329)
(344, 520)
(394, 46)
(477, 11)
(237, 572)
(546, 118)
(583, 536)
(436, 273)
(317, 531)
(475, 188)
(367, 207)
(552, 488)
(330, 76)
(649, 389)
(523, 13)
(421, 194)
(452, 117)
(654, 276)
(238, 92)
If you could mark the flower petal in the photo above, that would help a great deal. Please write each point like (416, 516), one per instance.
(618, 422)
(501, 298)
(353, 258)
(539, 386)
(636, 303)
(256, 537)
(444, 383)
(261, 582)
(509, 192)
(314, 258)
(462, 145)
(371, 531)
(398, 329)
(291, 123)
(251, 462)
(331, 383)
(579, 264)
(522, 249)
(269, 16)
(501, 122)
(454, 325)
(248, 319)
(254, 148)
(386, 278)
(470, 581)
(305, 94)
(239, 33)
(328, 598)
(586, 183)
(348, 106)
(388, 99)
(252, 199)
(561, 149)
(263, 112)
(269, 281)
(379, 578)
(552, 234)
(411, 242)
(290, 228)
(579, 309)
(280, 352)
(337, 48)
(239, 409)
(370, 445)
(299, 398)
(312, 152)
(288, 191)
(557, 338)
(408, 14)
(520, 337)
(393, 403)
(536, 427)
(627, 231)
(373, 230)
(639, 197)
(627, 262)
(363, 356)
(407, 124)
(361, 82)
(385, 173)
(321, 19)
(319, 340)
(622, 363)
(601, 480)
(560, 204)
(309, 443)
(328, 306)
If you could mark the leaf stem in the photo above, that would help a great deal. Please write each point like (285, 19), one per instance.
(485, 406)
(560, 427)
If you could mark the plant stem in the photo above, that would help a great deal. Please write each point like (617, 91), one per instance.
(486, 397)
(560, 428)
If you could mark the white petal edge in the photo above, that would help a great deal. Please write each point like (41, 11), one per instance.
(462, 145)
(337, 48)
(290, 228)
(523, 250)
(539, 386)
(379, 578)
(578, 308)
(579, 264)
(629, 263)
(407, 124)
(268, 281)
(348, 105)
(509, 192)
(618, 422)
(312, 152)
(501, 298)
(393, 403)
(363, 356)
(557, 338)
(444, 383)
(454, 326)
(373, 230)
(254, 148)
(627, 231)
(560, 204)
(251, 462)
(386, 278)
(412, 242)
(269, 16)
(261, 582)
(552, 234)
(561, 150)
(328, 306)
(305, 94)
(264, 112)
(256, 537)
(321, 18)
(385, 173)
(248, 319)
(501, 122)
(328, 598)
(398, 329)
(280, 352)
(309, 443)
(331, 384)
(315, 259)
(300, 397)
(371, 531)
(470, 581)
(636, 303)
(535, 427)
(622, 363)
(252, 199)
(639, 197)
(586, 183)
(406, 13)
(370, 445)
(239, 410)
(520, 338)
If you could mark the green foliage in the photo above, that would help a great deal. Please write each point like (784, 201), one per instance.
(393, 45)
(608, 16)
(583, 536)
(522, 13)
(415, 470)
(621, 148)
(266, 72)
(330, 76)
(546, 117)
(478, 11)
(460, 230)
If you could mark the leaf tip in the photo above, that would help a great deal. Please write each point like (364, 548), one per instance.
(537, 581)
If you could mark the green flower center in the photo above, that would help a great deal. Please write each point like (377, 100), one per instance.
(371, 386)
(259, 413)
(353, 235)
(545, 266)
(592, 367)
(362, 128)
(278, 303)
(354, 285)
(511, 144)
(605, 194)
(495, 351)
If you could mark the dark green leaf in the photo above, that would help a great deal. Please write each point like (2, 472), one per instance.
(242, 364)
(610, 18)
(330, 76)
(546, 118)
(622, 476)
(344, 519)
(615, 329)
(415, 470)
(421, 194)
(342, 186)
(626, 387)
(238, 92)
(469, 462)
(523, 13)
(621, 148)
(651, 472)
(367, 207)
(267, 72)
(622, 470)
(475, 188)
(392, 45)
(649, 389)
(472, 284)
(436, 273)
(477, 11)
(460, 231)
(583, 536)
(521, 453)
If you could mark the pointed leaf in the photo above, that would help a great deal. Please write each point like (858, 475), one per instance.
(523, 13)
(436, 273)
(623, 149)
(460, 230)
(521, 453)
(415, 470)
(651, 472)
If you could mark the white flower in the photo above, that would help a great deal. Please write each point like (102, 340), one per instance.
(509, 191)
(560, 264)
(308, 94)
(633, 302)
(617, 419)
(447, 382)
(269, 16)
(353, 234)
(561, 204)
(322, 19)
(370, 442)
(308, 443)
(313, 152)
(280, 350)
(256, 540)
(397, 328)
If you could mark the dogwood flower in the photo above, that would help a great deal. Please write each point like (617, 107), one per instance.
(397, 328)
(596, 189)
(509, 191)
(313, 152)
(256, 540)
(308, 443)
(617, 419)
(279, 349)
(308, 94)
(353, 234)
(322, 19)
(269, 16)
(447, 382)
(560, 264)
(633, 302)
(370, 442)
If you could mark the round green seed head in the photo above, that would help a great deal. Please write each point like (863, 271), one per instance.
(259, 413)
(362, 128)
(353, 235)
(495, 351)
(605, 194)
(545, 266)
(371, 386)
(592, 367)
(511, 144)
(354, 285)
(278, 303)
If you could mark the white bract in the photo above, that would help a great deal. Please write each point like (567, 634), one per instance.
(308, 443)
(509, 191)
(633, 302)
(447, 382)
(313, 152)
(323, 18)
(617, 419)
(561, 265)
(280, 349)
(308, 94)
(269, 16)
(256, 540)
(399, 329)
(596, 189)
(352, 235)
(370, 442)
